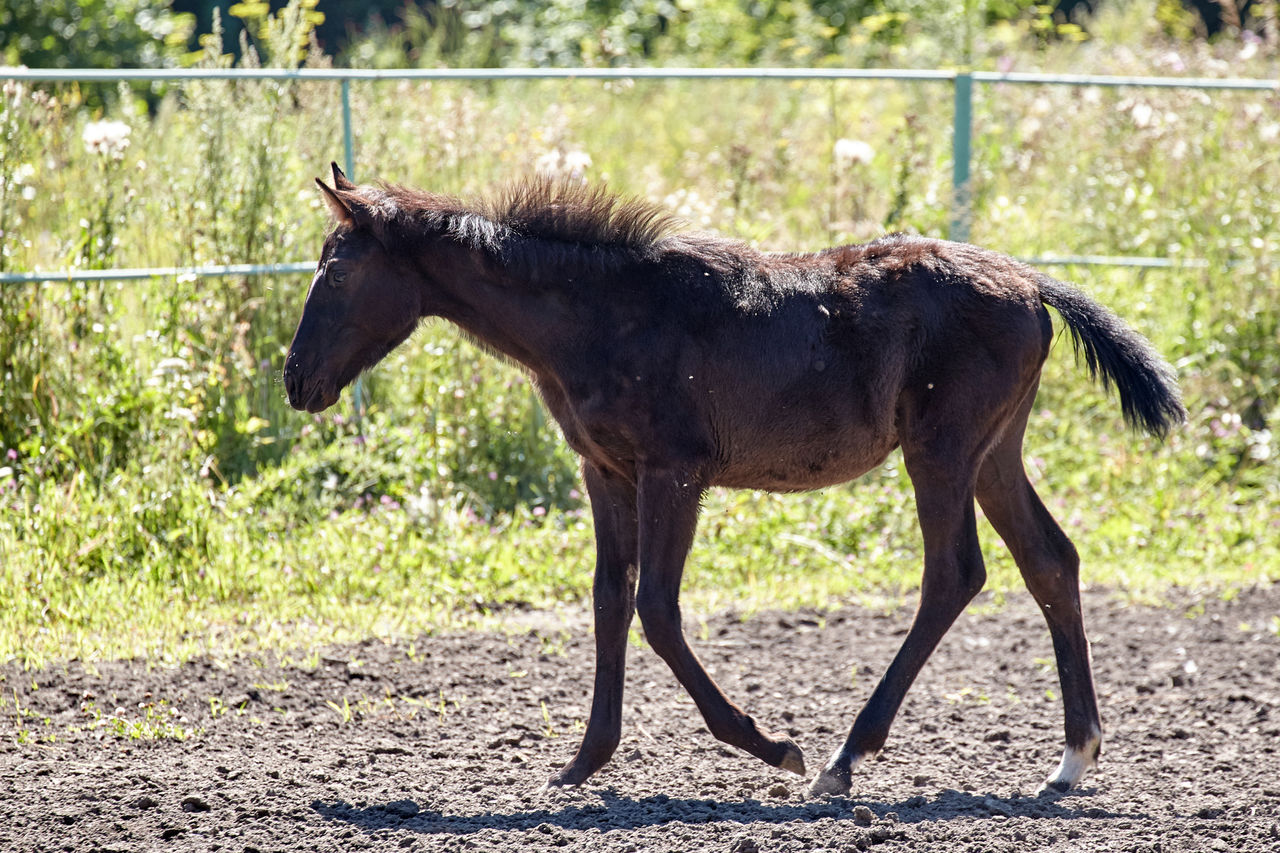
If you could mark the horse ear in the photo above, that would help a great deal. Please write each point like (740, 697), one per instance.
(340, 209)
(339, 179)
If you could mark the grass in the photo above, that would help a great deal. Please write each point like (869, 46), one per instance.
(386, 571)
(158, 499)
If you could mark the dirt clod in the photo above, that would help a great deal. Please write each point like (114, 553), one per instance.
(403, 809)
(195, 804)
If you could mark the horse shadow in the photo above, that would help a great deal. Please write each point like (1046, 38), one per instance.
(614, 812)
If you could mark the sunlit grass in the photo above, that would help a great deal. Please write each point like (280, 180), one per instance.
(291, 578)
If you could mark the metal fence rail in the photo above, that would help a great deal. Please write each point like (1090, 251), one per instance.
(962, 83)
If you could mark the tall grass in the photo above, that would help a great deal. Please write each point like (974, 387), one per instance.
(158, 495)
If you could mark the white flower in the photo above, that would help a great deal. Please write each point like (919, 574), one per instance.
(576, 163)
(851, 151)
(549, 163)
(108, 138)
(571, 164)
(1142, 114)
(13, 89)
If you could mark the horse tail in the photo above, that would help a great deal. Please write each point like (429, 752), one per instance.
(1120, 357)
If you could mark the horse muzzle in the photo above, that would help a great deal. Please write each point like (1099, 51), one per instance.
(306, 394)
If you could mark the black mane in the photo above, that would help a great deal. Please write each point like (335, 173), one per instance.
(539, 208)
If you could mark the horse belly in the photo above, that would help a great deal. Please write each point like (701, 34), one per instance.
(797, 455)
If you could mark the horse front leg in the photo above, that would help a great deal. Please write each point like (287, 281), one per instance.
(669, 501)
(613, 507)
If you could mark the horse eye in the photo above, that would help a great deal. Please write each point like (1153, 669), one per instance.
(339, 276)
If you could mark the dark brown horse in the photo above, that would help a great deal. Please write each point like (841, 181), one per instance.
(677, 362)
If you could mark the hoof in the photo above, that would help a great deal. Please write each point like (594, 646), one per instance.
(566, 778)
(831, 782)
(793, 760)
(1053, 786)
(1076, 761)
(837, 777)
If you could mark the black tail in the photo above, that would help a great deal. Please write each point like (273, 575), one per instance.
(1144, 381)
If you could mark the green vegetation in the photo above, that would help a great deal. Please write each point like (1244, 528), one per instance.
(158, 497)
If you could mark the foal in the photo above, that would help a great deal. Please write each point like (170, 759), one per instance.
(677, 362)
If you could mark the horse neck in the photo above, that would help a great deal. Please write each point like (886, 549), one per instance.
(516, 309)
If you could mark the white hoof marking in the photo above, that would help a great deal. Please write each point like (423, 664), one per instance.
(1076, 761)
(831, 782)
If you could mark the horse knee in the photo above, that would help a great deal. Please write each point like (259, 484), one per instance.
(956, 584)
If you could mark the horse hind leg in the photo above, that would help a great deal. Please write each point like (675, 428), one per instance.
(1050, 567)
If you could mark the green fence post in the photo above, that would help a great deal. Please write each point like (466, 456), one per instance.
(961, 139)
(348, 146)
(349, 166)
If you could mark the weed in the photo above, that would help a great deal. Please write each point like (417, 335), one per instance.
(154, 721)
(344, 712)
(274, 686)
(547, 729)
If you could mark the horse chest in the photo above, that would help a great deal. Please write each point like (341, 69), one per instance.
(602, 423)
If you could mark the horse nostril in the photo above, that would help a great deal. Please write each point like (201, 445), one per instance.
(290, 383)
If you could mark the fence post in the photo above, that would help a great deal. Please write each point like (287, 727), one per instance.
(961, 138)
(348, 146)
(358, 401)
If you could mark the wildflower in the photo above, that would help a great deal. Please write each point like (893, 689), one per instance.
(1260, 445)
(548, 164)
(572, 164)
(851, 151)
(21, 176)
(576, 163)
(108, 138)
(1142, 114)
(13, 89)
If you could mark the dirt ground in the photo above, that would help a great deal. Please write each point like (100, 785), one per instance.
(444, 743)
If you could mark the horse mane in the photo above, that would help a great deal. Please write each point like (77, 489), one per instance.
(571, 214)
